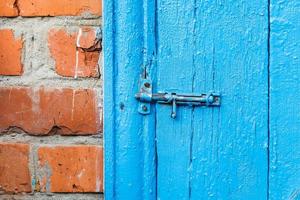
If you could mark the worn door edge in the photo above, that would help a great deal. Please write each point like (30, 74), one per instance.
(115, 187)
(108, 104)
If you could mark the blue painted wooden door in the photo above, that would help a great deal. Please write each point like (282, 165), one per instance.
(213, 153)
(245, 149)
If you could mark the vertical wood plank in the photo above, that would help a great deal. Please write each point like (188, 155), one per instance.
(108, 110)
(229, 145)
(285, 99)
(174, 62)
(149, 142)
(128, 136)
(127, 128)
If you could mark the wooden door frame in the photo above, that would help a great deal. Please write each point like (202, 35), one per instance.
(129, 138)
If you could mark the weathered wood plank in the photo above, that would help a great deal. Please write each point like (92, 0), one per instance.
(174, 62)
(229, 148)
(284, 99)
(128, 136)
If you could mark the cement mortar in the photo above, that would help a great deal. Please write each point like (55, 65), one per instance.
(39, 70)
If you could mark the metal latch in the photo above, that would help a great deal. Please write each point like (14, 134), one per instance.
(146, 97)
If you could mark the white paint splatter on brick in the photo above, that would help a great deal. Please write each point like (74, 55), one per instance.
(77, 52)
(98, 180)
(73, 104)
(9, 94)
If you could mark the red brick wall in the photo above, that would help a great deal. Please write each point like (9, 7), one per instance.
(50, 99)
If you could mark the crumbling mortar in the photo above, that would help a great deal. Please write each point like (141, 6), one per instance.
(27, 22)
(55, 130)
(32, 166)
(53, 140)
(59, 82)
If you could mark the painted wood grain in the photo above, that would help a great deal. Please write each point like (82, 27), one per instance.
(129, 145)
(284, 99)
(213, 153)
(229, 150)
(174, 73)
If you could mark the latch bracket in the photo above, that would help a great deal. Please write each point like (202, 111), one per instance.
(146, 97)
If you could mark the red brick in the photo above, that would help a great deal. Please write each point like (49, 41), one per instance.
(14, 168)
(8, 8)
(72, 59)
(59, 7)
(71, 168)
(10, 53)
(50, 111)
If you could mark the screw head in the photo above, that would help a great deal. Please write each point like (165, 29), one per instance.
(144, 108)
(147, 85)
